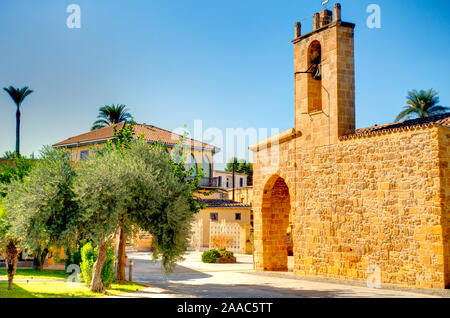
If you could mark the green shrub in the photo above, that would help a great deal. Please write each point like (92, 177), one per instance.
(89, 256)
(73, 255)
(210, 256)
(226, 254)
(108, 268)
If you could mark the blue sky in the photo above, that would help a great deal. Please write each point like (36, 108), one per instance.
(228, 63)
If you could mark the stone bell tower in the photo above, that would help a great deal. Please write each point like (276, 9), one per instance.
(325, 79)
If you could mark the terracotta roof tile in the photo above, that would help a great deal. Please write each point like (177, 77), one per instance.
(151, 133)
(436, 120)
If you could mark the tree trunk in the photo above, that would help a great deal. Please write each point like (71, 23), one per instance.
(18, 131)
(36, 261)
(11, 262)
(41, 259)
(97, 284)
(120, 276)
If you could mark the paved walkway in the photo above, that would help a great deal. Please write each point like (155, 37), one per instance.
(192, 278)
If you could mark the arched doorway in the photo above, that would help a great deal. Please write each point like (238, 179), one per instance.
(276, 207)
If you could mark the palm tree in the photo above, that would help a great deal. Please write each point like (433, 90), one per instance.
(109, 115)
(422, 104)
(18, 96)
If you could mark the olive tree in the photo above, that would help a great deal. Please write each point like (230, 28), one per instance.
(122, 142)
(12, 172)
(8, 245)
(137, 188)
(100, 193)
(166, 208)
(41, 210)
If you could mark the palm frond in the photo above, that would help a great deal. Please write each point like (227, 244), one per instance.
(111, 114)
(101, 123)
(406, 114)
(424, 103)
(439, 109)
(18, 95)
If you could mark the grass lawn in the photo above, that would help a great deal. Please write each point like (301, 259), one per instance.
(61, 290)
(25, 273)
(55, 289)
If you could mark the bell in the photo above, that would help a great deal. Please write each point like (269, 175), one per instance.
(317, 73)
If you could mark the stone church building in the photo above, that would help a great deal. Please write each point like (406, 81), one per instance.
(351, 200)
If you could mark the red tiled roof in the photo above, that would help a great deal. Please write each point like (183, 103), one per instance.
(432, 121)
(151, 133)
(223, 203)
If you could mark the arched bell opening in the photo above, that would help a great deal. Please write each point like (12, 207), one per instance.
(315, 77)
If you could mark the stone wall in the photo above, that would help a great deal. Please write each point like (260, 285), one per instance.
(243, 195)
(380, 200)
(444, 163)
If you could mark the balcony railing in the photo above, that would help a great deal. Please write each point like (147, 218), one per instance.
(209, 182)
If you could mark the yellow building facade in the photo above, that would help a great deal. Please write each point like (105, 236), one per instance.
(222, 216)
(359, 202)
(230, 219)
(243, 195)
(199, 154)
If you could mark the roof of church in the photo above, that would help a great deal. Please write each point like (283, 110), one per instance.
(223, 203)
(151, 133)
(432, 121)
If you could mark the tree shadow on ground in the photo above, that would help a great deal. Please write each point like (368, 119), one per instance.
(181, 290)
(263, 290)
(177, 276)
(145, 269)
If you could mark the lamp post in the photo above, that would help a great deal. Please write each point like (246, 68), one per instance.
(130, 271)
(233, 180)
